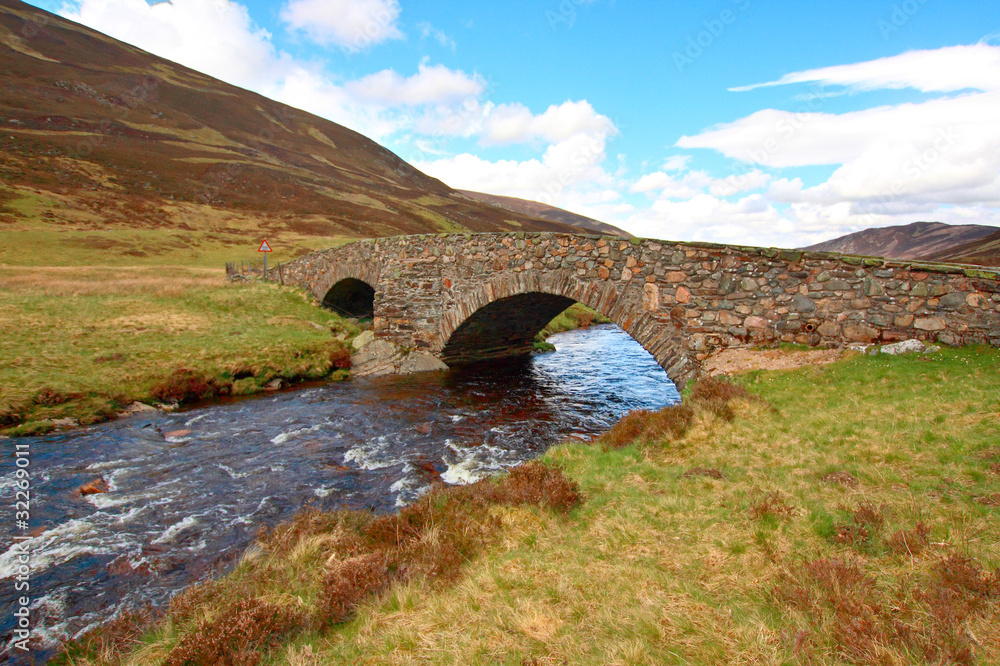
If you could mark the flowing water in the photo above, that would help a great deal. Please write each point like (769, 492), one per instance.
(188, 491)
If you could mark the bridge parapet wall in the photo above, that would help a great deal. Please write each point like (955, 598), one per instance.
(680, 300)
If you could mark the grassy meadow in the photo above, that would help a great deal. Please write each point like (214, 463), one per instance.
(83, 342)
(837, 514)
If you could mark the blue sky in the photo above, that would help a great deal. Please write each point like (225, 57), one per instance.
(777, 123)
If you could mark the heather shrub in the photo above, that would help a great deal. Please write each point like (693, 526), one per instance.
(238, 637)
(186, 386)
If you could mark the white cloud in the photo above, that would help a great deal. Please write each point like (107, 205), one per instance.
(948, 69)
(353, 25)
(427, 31)
(676, 163)
(569, 172)
(432, 84)
(514, 123)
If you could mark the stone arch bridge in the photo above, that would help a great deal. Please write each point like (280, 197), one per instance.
(454, 298)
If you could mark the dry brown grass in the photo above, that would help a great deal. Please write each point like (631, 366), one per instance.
(170, 281)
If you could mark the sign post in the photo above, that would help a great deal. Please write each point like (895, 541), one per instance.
(265, 248)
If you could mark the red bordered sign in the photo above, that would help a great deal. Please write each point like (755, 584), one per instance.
(264, 247)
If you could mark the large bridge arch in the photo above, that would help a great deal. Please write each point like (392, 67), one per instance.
(502, 317)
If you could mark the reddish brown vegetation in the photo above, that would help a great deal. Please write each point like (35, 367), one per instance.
(186, 386)
(49, 397)
(870, 623)
(340, 357)
(909, 542)
(715, 395)
(666, 424)
(350, 582)
(237, 636)
(770, 506)
(865, 525)
(116, 637)
(710, 472)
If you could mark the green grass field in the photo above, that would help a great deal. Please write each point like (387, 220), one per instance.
(84, 342)
(838, 514)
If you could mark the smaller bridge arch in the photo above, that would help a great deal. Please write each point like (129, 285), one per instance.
(351, 297)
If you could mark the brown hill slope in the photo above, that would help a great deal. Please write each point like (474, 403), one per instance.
(919, 240)
(546, 212)
(984, 251)
(109, 153)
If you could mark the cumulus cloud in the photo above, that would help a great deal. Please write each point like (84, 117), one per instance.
(353, 25)
(432, 84)
(515, 123)
(570, 171)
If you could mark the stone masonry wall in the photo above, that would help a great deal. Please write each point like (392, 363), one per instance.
(680, 301)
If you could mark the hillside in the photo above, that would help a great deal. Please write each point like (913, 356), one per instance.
(919, 240)
(546, 212)
(109, 153)
(984, 251)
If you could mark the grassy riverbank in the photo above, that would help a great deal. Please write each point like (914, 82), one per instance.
(81, 343)
(84, 342)
(844, 513)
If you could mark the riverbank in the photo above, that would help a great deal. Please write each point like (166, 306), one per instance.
(88, 344)
(841, 513)
(83, 344)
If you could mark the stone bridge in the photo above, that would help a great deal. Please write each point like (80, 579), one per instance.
(464, 297)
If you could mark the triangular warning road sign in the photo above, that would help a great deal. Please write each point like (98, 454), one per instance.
(264, 247)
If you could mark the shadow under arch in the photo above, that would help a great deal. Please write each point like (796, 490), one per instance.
(502, 317)
(505, 327)
(351, 297)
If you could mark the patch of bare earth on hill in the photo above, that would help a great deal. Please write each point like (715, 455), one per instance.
(732, 361)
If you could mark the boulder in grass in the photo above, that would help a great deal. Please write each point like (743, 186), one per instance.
(904, 347)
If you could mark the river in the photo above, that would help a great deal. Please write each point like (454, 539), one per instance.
(188, 491)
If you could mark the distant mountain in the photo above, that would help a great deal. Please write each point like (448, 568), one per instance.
(108, 148)
(984, 251)
(919, 240)
(546, 212)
